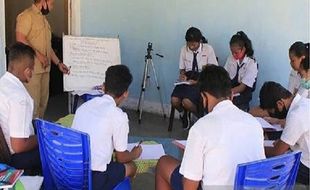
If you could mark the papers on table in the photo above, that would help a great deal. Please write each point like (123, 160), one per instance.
(237, 94)
(180, 143)
(267, 125)
(91, 92)
(149, 151)
(268, 143)
(181, 82)
(32, 182)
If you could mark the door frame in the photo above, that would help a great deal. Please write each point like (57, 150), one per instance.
(2, 39)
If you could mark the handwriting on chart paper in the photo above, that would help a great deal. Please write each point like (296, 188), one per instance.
(88, 59)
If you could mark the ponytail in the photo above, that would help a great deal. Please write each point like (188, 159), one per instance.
(242, 40)
(300, 49)
(306, 62)
(204, 40)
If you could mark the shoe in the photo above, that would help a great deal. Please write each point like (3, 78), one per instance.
(186, 121)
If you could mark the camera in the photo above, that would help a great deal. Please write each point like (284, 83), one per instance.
(149, 47)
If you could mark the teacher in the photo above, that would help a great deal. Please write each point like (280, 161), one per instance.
(33, 29)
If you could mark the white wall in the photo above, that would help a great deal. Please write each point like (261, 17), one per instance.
(272, 25)
(2, 39)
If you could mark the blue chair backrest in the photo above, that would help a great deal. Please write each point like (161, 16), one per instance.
(278, 172)
(65, 156)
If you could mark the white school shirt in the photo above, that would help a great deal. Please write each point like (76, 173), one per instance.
(294, 81)
(247, 73)
(205, 56)
(16, 109)
(218, 142)
(296, 131)
(107, 126)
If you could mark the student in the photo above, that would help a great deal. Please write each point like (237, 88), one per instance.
(107, 126)
(16, 109)
(280, 103)
(299, 56)
(194, 55)
(299, 81)
(242, 69)
(213, 149)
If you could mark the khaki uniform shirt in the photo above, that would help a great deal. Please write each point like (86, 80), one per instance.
(37, 30)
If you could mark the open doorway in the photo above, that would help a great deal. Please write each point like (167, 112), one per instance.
(58, 19)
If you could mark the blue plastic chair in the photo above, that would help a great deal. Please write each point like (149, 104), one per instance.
(65, 157)
(278, 172)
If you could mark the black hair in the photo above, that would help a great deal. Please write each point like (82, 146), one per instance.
(215, 80)
(117, 80)
(242, 40)
(20, 51)
(300, 49)
(270, 93)
(193, 35)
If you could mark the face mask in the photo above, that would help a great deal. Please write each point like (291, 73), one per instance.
(305, 84)
(279, 114)
(45, 11)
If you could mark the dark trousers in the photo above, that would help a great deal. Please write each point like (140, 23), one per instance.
(28, 161)
(303, 174)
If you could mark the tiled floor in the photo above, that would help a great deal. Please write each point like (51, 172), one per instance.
(152, 125)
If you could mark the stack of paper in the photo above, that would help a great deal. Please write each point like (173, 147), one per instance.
(268, 143)
(149, 151)
(267, 125)
(181, 82)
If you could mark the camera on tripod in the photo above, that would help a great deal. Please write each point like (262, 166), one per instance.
(149, 48)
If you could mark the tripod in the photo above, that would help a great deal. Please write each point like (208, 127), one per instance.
(146, 77)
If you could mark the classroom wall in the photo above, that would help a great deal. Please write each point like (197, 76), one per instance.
(271, 25)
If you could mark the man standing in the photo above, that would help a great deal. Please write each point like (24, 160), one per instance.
(33, 29)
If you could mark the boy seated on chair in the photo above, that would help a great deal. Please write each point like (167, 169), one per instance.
(16, 109)
(107, 126)
(217, 142)
(280, 103)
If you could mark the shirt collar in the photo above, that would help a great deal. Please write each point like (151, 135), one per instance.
(197, 51)
(36, 9)
(110, 98)
(219, 106)
(295, 100)
(9, 76)
(244, 61)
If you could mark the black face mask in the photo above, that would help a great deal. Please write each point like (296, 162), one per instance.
(45, 11)
(279, 114)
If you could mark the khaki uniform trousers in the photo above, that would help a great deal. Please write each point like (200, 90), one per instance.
(38, 88)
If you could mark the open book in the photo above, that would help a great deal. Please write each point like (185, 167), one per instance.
(8, 176)
(268, 126)
(149, 151)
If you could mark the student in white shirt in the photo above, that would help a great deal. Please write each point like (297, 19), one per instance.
(242, 69)
(280, 103)
(299, 56)
(194, 55)
(213, 149)
(299, 80)
(16, 109)
(108, 128)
